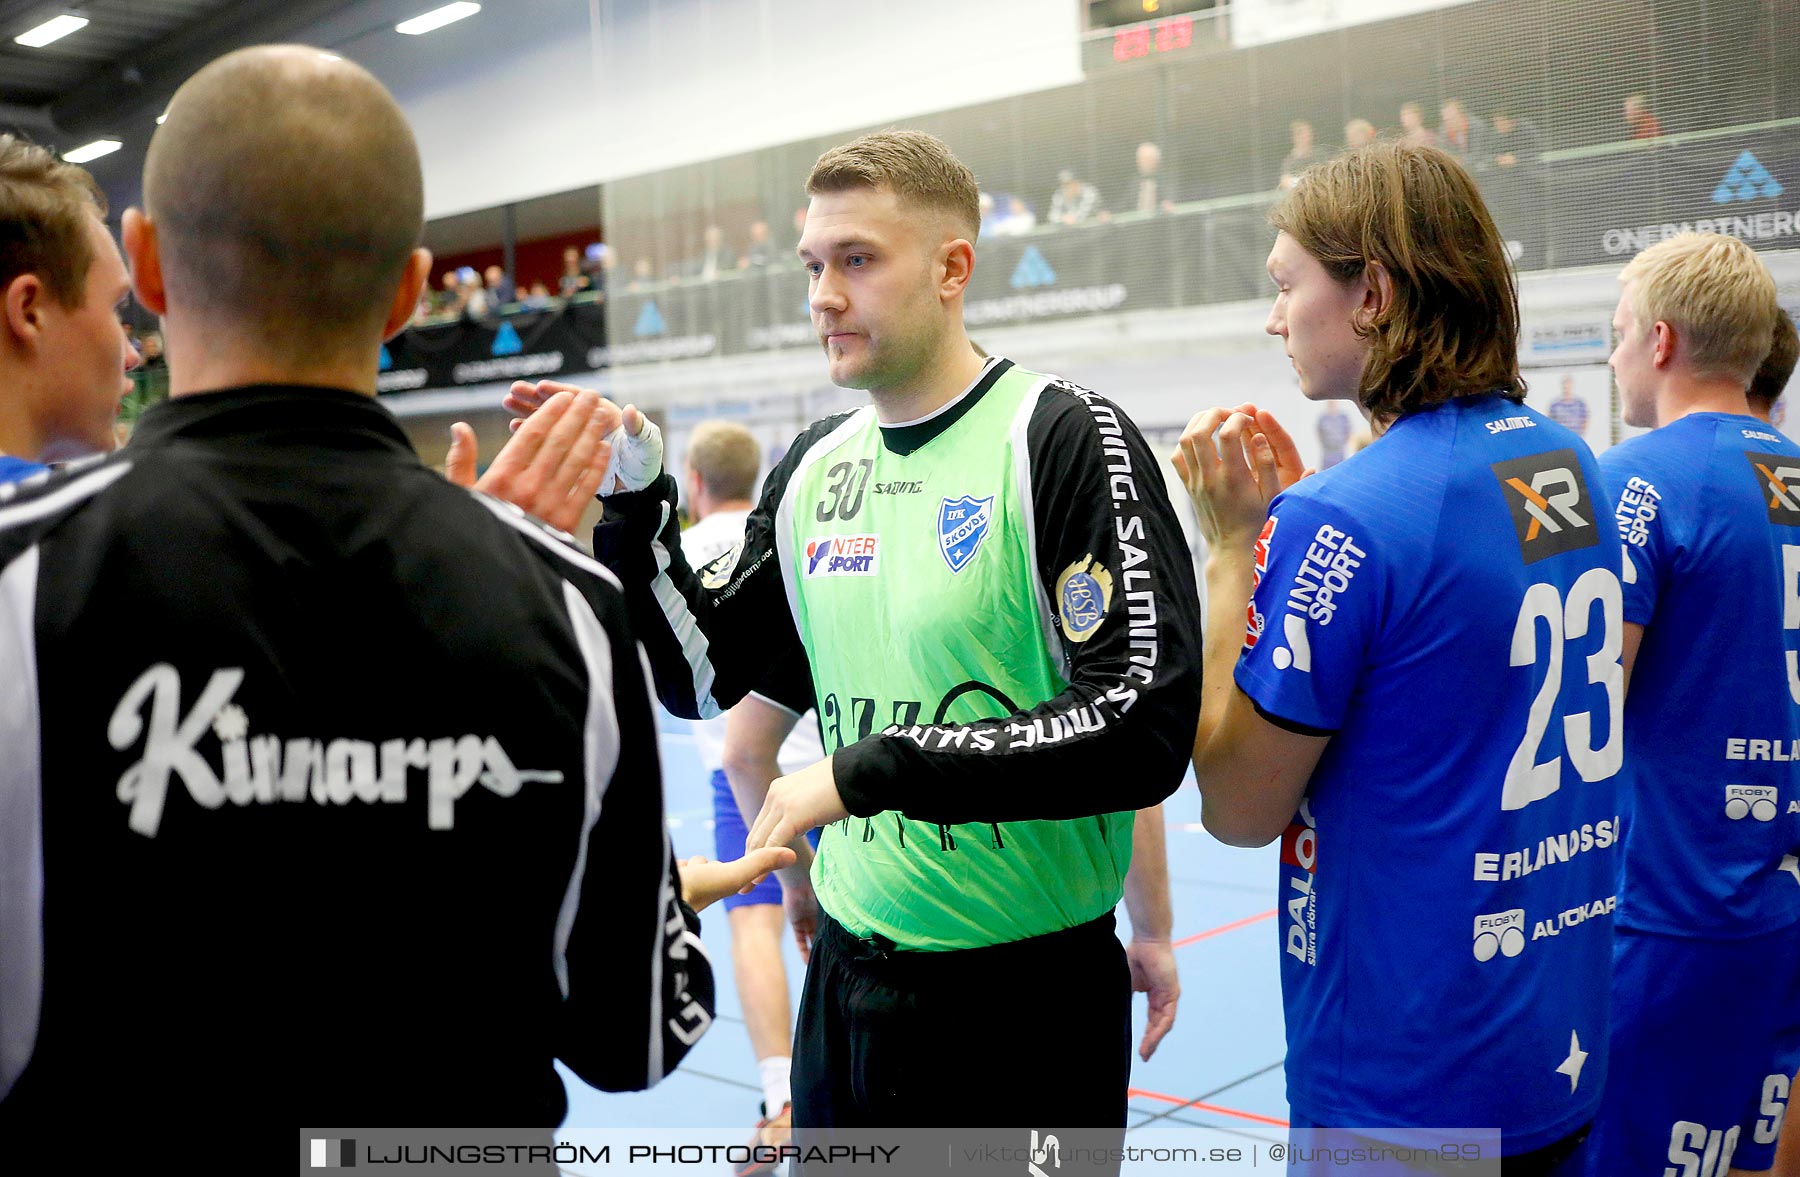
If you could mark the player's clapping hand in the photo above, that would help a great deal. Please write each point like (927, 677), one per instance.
(797, 803)
(635, 441)
(549, 468)
(1233, 463)
(705, 882)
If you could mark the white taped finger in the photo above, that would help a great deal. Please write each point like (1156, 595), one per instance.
(636, 460)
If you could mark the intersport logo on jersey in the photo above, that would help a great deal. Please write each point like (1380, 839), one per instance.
(843, 555)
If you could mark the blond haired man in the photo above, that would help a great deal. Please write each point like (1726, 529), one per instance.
(990, 590)
(1706, 989)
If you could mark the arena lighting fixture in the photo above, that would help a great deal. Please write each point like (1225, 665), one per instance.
(94, 150)
(54, 29)
(437, 18)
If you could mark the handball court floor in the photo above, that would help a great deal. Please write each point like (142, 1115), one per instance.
(1216, 1080)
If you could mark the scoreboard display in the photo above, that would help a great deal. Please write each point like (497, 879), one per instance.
(1125, 31)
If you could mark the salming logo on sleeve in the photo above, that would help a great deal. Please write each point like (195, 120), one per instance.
(265, 769)
(1550, 504)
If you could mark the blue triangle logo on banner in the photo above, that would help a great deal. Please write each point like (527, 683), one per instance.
(1746, 180)
(649, 321)
(387, 359)
(1032, 270)
(506, 341)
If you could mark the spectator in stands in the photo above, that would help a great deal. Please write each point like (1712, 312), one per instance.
(597, 264)
(474, 295)
(449, 299)
(1302, 154)
(1464, 135)
(573, 281)
(761, 250)
(1151, 193)
(1359, 133)
(1413, 128)
(1515, 143)
(989, 218)
(1018, 220)
(715, 256)
(539, 298)
(1640, 122)
(1075, 201)
(500, 288)
(642, 274)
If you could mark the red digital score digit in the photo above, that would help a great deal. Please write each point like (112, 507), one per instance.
(1169, 36)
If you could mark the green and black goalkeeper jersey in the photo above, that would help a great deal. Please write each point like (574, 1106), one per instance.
(995, 611)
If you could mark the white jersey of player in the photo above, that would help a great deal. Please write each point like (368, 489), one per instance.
(702, 543)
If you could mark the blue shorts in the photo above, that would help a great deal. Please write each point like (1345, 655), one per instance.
(729, 834)
(1705, 1041)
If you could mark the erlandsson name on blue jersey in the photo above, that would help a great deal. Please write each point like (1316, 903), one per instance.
(1495, 868)
(1777, 750)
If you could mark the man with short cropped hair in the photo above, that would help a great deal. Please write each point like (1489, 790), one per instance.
(329, 793)
(742, 751)
(980, 579)
(1706, 984)
(64, 354)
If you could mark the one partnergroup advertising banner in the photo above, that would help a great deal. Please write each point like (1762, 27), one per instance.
(1159, 1147)
(525, 345)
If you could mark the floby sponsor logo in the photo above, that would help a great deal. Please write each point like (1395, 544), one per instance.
(1758, 801)
(1549, 852)
(1501, 933)
(1574, 917)
(1638, 506)
(1300, 899)
(1551, 508)
(1779, 480)
(843, 555)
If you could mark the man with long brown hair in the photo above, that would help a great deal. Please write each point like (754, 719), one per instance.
(1427, 695)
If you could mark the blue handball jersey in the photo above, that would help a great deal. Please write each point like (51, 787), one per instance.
(1709, 509)
(1446, 605)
